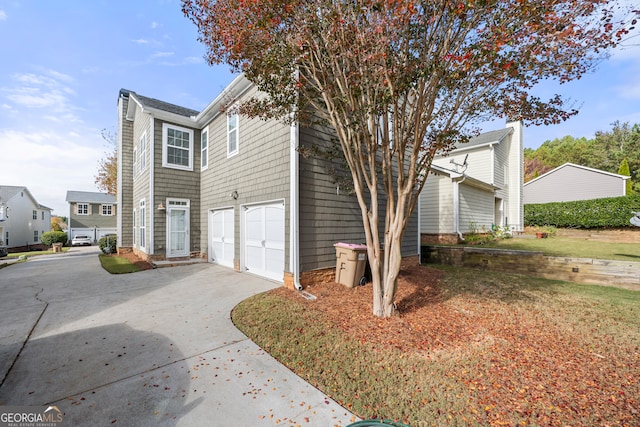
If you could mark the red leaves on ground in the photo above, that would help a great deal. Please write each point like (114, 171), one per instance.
(520, 362)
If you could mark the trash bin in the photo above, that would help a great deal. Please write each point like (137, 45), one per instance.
(57, 247)
(351, 260)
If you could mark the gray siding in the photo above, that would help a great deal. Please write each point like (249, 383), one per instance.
(141, 179)
(125, 176)
(569, 182)
(95, 217)
(329, 214)
(169, 183)
(259, 172)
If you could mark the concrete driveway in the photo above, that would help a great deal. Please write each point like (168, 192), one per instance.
(154, 348)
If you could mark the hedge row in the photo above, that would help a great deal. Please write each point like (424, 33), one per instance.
(612, 212)
(50, 237)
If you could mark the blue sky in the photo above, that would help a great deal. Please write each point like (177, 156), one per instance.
(65, 61)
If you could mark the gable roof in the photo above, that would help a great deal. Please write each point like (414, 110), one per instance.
(187, 116)
(8, 191)
(156, 104)
(573, 165)
(171, 112)
(90, 197)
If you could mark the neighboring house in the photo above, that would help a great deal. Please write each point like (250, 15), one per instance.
(231, 189)
(574, 182)
(22, 219)
(92, 214)
(475, 187)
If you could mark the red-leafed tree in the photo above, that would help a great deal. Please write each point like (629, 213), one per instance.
(107, 177)
(400, 81)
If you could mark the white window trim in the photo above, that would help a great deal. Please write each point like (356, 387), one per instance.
(142, 152)
(204, 152)
(103, 207)
(135, 228)
(83, 204)
(237, 130)
(135, 162)
(142, 225)
(165, 152)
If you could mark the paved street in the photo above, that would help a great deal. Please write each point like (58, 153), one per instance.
(144, 349)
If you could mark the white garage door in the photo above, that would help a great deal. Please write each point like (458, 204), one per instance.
(221, 240)
(264, 240)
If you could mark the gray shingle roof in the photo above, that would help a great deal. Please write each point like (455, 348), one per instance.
(160, 105)
(90, 197)
(487, 137)
(8, 191)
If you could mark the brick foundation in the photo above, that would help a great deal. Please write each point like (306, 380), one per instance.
(29, 248)
(288, 281)
(315, 277)
(443, 239)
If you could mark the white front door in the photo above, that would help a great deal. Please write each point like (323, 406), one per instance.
(264, 240)
(221, 240)
(177, 228)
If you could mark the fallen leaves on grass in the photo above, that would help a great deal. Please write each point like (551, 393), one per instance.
(525, 359)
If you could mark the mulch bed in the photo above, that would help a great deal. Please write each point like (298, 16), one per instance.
(528, 362)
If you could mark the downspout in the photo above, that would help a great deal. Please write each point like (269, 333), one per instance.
(294, 209)
(456, 207)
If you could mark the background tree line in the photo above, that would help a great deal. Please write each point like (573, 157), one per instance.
(608, 151)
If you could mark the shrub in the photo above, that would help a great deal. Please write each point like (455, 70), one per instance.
(611, 212)
(107, 244)
(51, 237)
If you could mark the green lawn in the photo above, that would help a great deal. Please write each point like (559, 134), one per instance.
(485, 349)
(117, 265)
(571, 247)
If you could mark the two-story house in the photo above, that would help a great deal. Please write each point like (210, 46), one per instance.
(22, 219)
(232, 189)
(477, 186)
(91, 214)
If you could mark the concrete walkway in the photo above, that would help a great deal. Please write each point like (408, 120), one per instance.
(155, 348)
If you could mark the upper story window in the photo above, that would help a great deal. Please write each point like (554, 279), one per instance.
(204, 149)
(107, 210)
(34, 214)
(177, 147)
(142, 151)
(43, 215)
(83, 209)
(232, 135)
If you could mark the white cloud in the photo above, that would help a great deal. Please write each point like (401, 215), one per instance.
(154, 25)
(162, 54)
(141, 41)
(3, 15)
(49, 164)
(48, 90)
(193, 60)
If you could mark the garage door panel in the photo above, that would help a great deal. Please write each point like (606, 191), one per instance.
(264, 240)
(222, 237)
